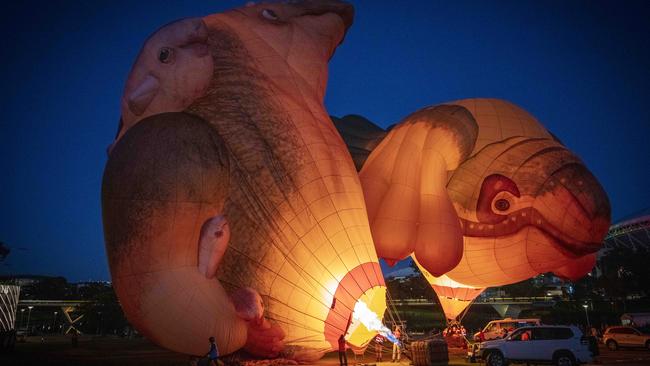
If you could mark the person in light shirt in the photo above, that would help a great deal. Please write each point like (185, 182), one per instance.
(397, 351)
(379, 346)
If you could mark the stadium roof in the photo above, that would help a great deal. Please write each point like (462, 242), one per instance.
(631, 231)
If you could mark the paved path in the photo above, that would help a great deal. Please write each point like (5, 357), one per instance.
(621, 357)
(624, 356)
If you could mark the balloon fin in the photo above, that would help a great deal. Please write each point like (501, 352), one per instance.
(248, 304)
(265, 339)
(390, 262)
(213, 242)
(140, 98)
(576, 269)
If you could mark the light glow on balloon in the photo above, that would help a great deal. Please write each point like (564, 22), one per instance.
(364, 315)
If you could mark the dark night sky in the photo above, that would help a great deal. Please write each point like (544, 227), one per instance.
(581, 67)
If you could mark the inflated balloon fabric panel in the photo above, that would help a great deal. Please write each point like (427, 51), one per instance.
(350, 289)
(500, 119)
(455, 300)
(454, 297)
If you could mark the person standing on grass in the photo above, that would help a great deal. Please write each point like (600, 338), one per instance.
(397, 352)
(213, 354)
(379, 346)
(343, 358)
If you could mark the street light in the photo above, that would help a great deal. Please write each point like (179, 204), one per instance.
(586, 315)
(54, 322)
(29, 316)
(22, 313)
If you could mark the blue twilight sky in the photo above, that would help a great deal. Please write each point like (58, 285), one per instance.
(581, 67)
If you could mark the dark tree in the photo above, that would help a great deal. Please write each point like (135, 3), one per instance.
(624, 276)
(52, 288)
(4, 251)
(104, 314)
(526, 288)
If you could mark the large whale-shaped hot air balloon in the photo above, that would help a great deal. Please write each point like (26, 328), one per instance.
(480, 194)
(231, 205)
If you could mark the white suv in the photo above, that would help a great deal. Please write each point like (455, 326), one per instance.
(559, 345)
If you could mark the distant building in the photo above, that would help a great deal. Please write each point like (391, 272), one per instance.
(8, 304)
(629, 237)
(632, 233)
(23, 280)
(91, 283)
(402, 274)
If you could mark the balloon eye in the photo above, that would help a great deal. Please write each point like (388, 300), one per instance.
(502, 204)
(269, 14)
(165, 55)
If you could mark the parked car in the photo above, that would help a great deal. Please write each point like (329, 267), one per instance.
(21, 336)
(498, 328)
(554, 291)
(550, 344)
(636, 319)
(623, 336)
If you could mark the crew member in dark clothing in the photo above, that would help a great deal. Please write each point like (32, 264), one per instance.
(343, 358)
(213, 354)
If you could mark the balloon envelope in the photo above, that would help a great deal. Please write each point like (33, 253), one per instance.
(525, 204)
(232, 209)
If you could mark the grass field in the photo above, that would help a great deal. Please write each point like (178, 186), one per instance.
(114, 351)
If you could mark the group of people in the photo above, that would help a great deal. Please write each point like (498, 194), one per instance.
(454, 335)
(454, 329)
(379, 347)
(213, 353)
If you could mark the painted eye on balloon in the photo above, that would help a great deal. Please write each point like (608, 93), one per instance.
(494, 201)
(502, 204)
(270, 14)
(165, 55)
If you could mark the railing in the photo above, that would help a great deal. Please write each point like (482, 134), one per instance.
(57, 303)
(399, 302)
(628, 226)
(523, 299)
(486, 300)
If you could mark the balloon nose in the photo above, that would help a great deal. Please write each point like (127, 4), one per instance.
(197, 38)
(343, 9)
(200, 30)
(589, 196)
